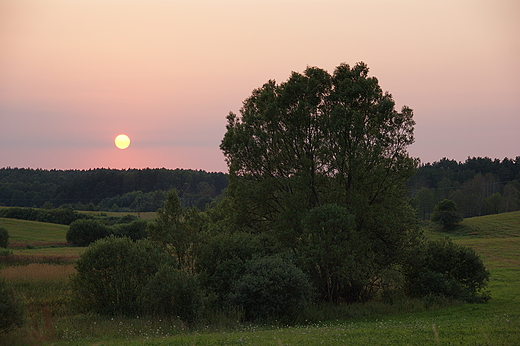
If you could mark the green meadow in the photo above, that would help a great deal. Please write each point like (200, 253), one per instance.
(33, 232)
(42, 284)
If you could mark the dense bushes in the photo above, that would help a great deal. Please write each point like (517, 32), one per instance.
(171, 292)
(112, 273)
(85, 232)
(63, 216)
(446, 269)
(224, 257)
(135, 230)
(11, 308)
(255, 274)
(271, 287)
(4, 237)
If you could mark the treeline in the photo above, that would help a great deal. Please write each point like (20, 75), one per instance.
(107, 189)
(479, 186)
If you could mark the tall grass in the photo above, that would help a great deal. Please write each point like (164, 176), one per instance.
(38, 272)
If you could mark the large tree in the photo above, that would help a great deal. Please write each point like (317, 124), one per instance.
(320, 139)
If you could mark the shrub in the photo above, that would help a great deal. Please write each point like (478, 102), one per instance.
(84, 232)
(222, 260)
(4, 237)
(171, 292)
(134, 230)
(11, 308)
(112, 273)
(446, 213)
(271, 288)
(447, 269)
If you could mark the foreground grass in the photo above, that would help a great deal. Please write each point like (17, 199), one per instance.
(493, 324)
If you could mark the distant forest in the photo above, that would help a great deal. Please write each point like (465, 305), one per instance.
(479, 186)
(107, 189)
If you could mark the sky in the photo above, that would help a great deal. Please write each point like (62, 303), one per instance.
(76, 73)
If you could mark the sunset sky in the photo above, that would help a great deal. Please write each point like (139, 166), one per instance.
(76, 73)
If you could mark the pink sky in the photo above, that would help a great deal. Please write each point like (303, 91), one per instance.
(74, 74)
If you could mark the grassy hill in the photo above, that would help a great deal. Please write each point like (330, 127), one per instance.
(33, 232)
(493, 226)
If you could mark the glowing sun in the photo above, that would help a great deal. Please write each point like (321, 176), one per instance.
(122, 141)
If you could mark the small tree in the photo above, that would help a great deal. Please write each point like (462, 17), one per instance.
(4, 237)
(178, 231)
(447, 214)
(84, 232)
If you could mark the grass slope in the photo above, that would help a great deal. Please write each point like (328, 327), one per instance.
(34, 232)
(494, 226)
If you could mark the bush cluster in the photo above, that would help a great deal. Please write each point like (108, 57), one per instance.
(84, 232)
(271, 287)
(442, 268)
(63, 216)
(117, 276)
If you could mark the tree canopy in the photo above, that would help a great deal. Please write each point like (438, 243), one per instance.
(320, 139)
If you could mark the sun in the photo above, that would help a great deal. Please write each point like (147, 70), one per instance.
(122, 141)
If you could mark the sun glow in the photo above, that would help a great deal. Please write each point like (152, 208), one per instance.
(122, 141)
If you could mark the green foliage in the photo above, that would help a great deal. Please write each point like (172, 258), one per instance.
(446, 213)
(171, 292)
(447, 269)
(12, 310)
(178, 230)
(134, 230)
(63, 216)
(333, 252)
(320, 139)
(222, 259)
(85, 232)
(131, 189)
(479, 186)
(112, 274)
(4, 237)
(271, 288)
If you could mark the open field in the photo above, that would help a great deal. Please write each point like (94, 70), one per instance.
(33, 232)
(43, 288)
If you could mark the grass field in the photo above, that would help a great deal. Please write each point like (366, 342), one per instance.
(496, 238)
(33, 232)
